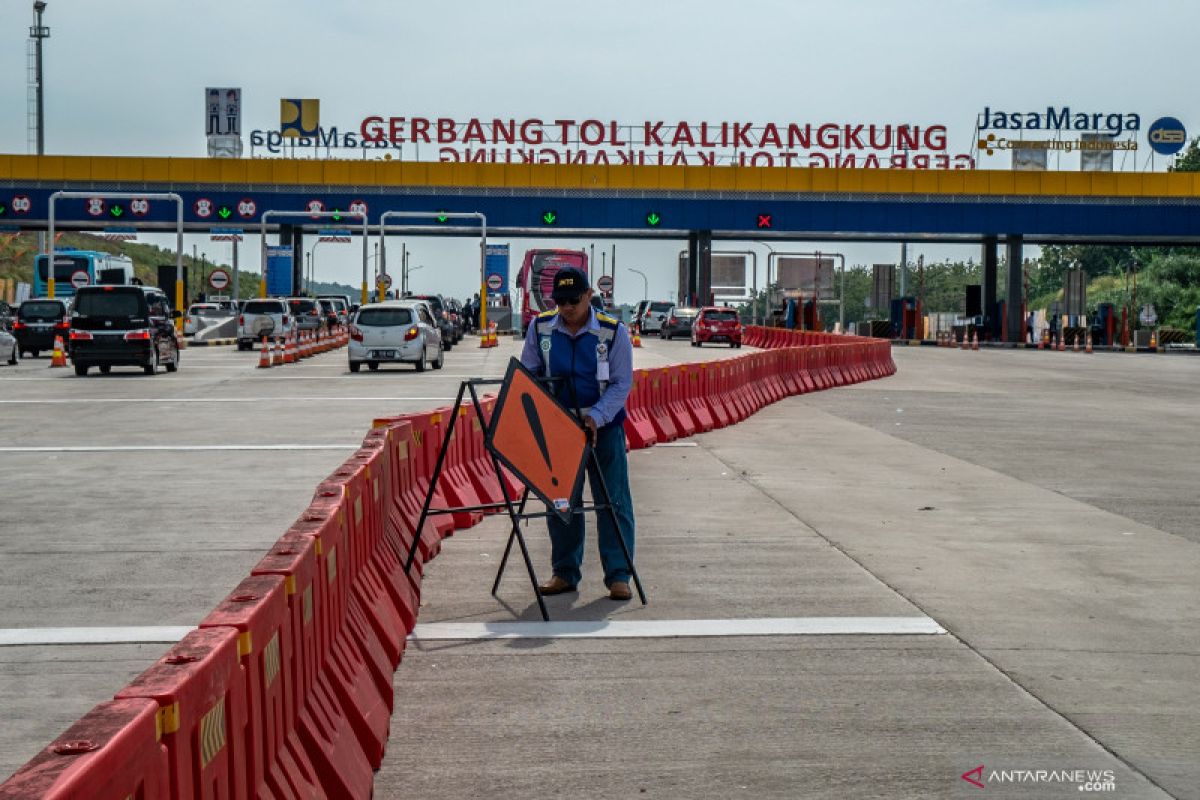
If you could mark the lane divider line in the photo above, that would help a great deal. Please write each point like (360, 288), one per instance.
(680, 628)
(463, 631)
(23, 637)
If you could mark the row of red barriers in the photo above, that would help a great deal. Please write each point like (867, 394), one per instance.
(285, 689)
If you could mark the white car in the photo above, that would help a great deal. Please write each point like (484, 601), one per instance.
(395, 332)
(10, 351)
(261, 317)
(192, 321)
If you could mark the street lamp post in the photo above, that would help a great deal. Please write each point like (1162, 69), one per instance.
(37, 33)
(645, 283)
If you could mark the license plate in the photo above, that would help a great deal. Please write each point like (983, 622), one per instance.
(385, 353)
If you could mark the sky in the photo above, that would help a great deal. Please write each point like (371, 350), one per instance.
(127, 77)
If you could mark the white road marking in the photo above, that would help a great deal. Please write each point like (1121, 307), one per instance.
(15, 637)
(677, 444)
(170, 448)
(677, 628)
(599, 629)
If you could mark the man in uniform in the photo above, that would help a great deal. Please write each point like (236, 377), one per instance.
(592, 351)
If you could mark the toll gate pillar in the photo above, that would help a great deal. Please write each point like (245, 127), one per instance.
(699, 268)
(294, 235)
(1016, 325)
(989, 260)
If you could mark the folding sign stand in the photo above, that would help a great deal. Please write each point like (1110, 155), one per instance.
(537, 474)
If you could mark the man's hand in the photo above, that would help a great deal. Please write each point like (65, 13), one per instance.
(590, 421)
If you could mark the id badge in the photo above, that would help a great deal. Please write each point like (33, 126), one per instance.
(602, 371)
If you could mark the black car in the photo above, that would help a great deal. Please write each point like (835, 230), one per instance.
(450, 335)
(38, 321)
(123, 326)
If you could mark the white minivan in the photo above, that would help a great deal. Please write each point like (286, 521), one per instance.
(395, 332)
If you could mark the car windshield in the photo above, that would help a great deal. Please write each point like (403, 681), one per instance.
(660, 306)
(36, 310)
(384, 317)
(302, 306)
(686, 312)
(109, 304)
(206, 311)
(263, 307)
(721, 316)
(433, 301)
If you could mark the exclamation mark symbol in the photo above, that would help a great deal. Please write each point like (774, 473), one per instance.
(535, 425)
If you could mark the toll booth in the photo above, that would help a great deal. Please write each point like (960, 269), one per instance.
(904, 318)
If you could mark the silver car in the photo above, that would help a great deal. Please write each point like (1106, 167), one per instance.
(395, 332)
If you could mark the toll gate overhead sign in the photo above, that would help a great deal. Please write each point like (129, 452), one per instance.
(543, 444)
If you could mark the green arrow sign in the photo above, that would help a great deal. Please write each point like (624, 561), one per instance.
(224, 212)
(337, 215)
(116, 211)
(549, 218)
(3, 208)
(652, 219)
(441, 217)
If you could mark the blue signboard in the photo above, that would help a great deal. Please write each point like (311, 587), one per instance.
(496, 263)
(279, 270)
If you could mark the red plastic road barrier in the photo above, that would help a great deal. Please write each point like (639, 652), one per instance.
(294, 558)
(199, 689)
(691, 375)
(710, 380)
(673, 385)
(426, 438)
(639, 430)
(476, 462)
(664, 428)
(356, 671)
(258, 609)
(112, 751)
(402, 520)
(454, 471)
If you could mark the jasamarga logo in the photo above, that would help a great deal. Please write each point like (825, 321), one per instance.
(1059, 119)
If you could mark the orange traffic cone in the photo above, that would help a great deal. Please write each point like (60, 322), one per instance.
(1088, 349)
(59, 359)
(1153, 341)
(289, 348)
(974, 340)
(277, 353)
(1062, 342)
(264, 355)
(637, 336)
(1042, 341)
(966, 340)
(1075, 344)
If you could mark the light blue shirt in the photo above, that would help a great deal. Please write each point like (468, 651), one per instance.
(620, 365)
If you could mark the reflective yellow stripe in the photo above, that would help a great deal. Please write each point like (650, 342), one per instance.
(308, 604)
(358, 509)
(168, 718)
(245, 644)
(212, 733)
(289, 584)
(403, 449)
(331, 564)
(271, 660)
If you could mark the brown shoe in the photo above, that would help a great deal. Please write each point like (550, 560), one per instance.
(619, 591)
(556, 585)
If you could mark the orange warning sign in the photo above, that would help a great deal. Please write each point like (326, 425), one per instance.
(539, 440)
